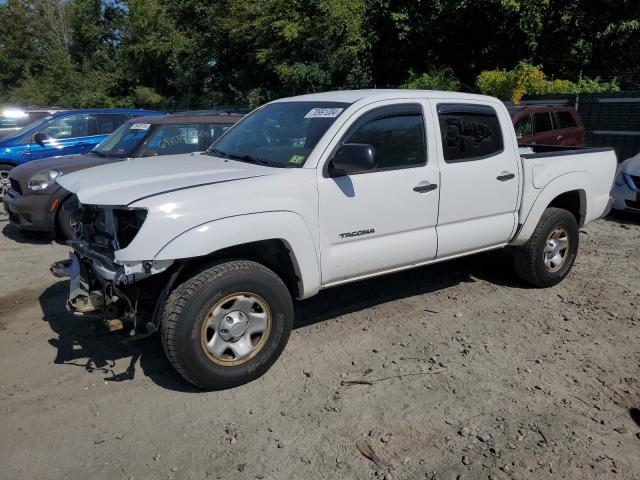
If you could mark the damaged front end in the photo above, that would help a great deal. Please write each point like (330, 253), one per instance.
(123, 294)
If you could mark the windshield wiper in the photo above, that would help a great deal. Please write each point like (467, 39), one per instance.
(218, 153)
(242, 158)
(249, 159)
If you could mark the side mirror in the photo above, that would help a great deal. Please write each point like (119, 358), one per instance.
(353, 158)
(40, 138)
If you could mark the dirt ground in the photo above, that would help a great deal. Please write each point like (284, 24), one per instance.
(467, 372)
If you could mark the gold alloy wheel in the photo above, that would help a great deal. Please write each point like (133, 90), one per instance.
(235, 329)
(556, 249)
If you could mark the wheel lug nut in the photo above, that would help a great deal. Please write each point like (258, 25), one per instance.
(229, 320)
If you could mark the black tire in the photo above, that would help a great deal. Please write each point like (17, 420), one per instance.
(5, 168)
(186, 312)
(529, 259)
(65, 219)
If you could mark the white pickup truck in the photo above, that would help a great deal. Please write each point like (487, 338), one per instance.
(310, 192)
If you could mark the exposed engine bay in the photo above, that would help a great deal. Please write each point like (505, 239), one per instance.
(123, 294)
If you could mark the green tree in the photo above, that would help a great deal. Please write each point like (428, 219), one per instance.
(435, 79)
(527, 79)
(298, 46)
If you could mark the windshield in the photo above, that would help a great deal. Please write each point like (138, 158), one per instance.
(124, 140)
(280, 134)
(26, 128)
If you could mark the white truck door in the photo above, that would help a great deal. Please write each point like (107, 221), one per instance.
(386, 218)
(479, 176)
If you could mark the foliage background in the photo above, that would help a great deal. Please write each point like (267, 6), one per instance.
(202, 53)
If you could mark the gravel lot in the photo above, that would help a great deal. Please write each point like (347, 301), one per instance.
(464, 373)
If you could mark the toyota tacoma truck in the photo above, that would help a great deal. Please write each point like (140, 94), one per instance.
(307, 193)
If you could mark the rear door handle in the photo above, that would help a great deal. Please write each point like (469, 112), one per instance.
(504, 176)
(425, 188)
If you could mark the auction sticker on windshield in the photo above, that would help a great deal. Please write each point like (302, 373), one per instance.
(323, 112)
(140, 126)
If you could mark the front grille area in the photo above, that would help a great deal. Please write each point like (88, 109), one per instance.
(15, 185)
(636, 180)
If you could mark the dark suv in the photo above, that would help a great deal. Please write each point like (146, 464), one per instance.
(547, 125)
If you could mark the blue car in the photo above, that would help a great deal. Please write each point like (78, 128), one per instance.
(61, 133)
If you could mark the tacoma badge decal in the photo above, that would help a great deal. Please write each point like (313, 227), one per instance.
(357, 233)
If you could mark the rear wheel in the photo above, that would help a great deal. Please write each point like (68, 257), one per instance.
(549, 254)
(227, 325)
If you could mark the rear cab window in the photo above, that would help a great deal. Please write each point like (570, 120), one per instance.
(469, 132)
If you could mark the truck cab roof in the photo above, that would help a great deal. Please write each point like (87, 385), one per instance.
(352, 96)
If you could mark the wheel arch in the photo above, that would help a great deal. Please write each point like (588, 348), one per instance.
(279, 240)
(569, 192)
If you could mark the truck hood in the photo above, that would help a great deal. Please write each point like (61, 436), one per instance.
(123, 183)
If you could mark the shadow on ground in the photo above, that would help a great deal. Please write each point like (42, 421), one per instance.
(623, 218)
(87, 344)
(34, 238)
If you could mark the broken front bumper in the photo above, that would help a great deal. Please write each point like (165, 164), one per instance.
(100, 287)
(81, 298)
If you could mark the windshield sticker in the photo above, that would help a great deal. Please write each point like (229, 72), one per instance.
(324, 113)
(140, 126)
(296, 159)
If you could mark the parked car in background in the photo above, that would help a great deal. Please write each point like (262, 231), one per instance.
(61, 133)
(12, 118)
(547, 125)
(34, 201)
(626, 188)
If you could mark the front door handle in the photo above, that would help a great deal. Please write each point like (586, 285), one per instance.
(425, 188)
(504, 176)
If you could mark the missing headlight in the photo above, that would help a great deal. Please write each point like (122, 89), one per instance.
(128, 222)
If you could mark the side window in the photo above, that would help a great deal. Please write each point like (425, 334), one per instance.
(566, 120)
(71, 126)
(108, 122)
(524, 127)
(397, 134)
(218, 130)
(173, 139)
(210, 133)
(542, 122)
(469, 132)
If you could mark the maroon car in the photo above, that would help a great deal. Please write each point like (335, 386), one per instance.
(547, 125)
(35, 202)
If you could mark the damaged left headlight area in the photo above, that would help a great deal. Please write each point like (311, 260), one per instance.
(123, 294)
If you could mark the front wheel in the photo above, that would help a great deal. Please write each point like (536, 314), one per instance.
(227, 325)
(549, 254)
